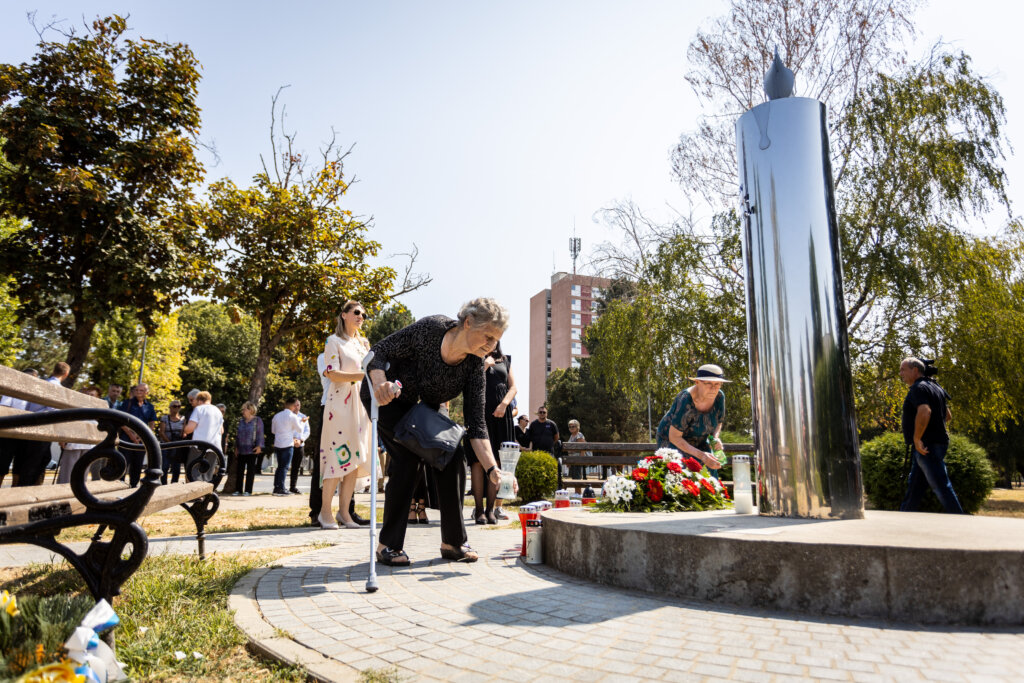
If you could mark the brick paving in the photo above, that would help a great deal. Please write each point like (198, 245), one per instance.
(500, 619)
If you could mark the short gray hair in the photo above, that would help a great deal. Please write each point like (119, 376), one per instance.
(914, 363)
(192, 394)
(484, 312)
(574, 422)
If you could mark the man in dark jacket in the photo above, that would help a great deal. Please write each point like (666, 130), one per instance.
(542, 432)
(925, 414)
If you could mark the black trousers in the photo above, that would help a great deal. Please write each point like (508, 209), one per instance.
(297, 455)
(316, 494)
(245, 472)
(403, 479)
(30, 461)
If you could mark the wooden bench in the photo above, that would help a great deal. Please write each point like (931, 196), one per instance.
(608, 454)
(38, 514)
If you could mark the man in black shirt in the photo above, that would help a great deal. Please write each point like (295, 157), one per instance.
(925, 414)
(542, 432)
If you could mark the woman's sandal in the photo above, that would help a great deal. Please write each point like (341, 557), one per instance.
(463, 554)
(413, 518)
(388, 556)
(421, 509)
(478, 515)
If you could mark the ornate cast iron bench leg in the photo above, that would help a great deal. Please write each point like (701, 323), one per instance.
(202, 509)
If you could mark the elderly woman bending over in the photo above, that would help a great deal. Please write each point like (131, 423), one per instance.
(435, 359)
(696, 414)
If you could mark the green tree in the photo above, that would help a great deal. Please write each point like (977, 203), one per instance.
(222, 353)
(117, 354)
(575, 393)
(391, 319)
(10, 337)
(98, 133)
(287, 253)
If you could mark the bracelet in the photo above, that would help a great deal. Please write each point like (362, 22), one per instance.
(490, 469)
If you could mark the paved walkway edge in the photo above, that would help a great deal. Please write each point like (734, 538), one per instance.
(265, 640)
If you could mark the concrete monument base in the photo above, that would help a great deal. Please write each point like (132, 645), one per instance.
(910, 567)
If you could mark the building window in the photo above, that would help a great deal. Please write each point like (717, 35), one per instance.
(577, 319)
(577, 349)
(576, 306)
(576, 291)
(577, 334)
(575, 362)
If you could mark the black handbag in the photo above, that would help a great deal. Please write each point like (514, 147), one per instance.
(429, 434)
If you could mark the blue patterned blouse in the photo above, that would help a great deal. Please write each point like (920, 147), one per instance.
(695, 425)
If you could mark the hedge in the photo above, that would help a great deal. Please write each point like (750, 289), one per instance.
(885, 469)
(537, 473)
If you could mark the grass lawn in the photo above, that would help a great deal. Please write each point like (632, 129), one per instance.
(173, 603)
(1004, 503)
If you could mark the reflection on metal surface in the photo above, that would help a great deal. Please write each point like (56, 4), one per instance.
(804, 422)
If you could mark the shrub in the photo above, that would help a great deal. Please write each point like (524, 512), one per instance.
(885, 473)
(537, 473)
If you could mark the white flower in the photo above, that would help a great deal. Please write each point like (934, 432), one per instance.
(669, 454)
(619, 489)
(178, 654)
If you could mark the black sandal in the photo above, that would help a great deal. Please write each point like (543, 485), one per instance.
(388, 556)
(413, 517)
(421, 509)
(463, 554)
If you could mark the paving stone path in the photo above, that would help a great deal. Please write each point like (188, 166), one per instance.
(500, 619)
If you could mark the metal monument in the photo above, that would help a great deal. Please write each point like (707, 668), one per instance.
(804, 422)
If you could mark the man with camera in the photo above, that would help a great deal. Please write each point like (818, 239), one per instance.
(925, 414)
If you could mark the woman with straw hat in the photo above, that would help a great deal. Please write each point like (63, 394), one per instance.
(696, 414)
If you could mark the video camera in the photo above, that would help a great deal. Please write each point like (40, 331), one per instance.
(929, 367)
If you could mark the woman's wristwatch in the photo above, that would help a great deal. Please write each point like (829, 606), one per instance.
(487, 472)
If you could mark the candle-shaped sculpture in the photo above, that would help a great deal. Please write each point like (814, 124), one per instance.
(742, 497)
(804, 422)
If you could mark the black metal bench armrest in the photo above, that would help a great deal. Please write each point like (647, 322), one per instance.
(210, 465)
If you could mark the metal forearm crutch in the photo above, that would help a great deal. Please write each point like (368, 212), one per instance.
(371, 580)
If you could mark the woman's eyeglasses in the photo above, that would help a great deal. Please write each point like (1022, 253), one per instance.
(361, 313)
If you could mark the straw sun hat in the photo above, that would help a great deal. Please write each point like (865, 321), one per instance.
(710, 373)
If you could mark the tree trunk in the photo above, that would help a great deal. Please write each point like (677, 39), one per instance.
(78, 348)
(268, 342)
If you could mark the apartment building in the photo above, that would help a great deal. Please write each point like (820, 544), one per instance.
(558, 318)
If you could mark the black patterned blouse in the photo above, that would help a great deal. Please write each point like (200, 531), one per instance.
(414, 354)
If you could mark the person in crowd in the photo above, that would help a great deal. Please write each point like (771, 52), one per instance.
(8, 447)
(925, 414)
(434, 359)
(138, 406)
(249, 443)
(346, 440)
(522, 423)
(32, 457)
(113, 396)
(542, 434)
(171, 427)
(696, 414)
(285, 426)
(71, 453)
(300, 450)
(575, 435)
(204, 424)
(500, 388)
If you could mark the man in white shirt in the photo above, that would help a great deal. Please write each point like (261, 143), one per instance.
(300, 453)
(206, 423)
(285, 426)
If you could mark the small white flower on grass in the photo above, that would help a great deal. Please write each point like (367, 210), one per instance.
(143, 629)
(197, 655)
(178, 654)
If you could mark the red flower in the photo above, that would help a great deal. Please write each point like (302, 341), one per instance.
(708, 485)
(654, 457)
(673, 466)
(655, 490)
(725, 493)
(690, 487)
(639, 474)
(693, 464)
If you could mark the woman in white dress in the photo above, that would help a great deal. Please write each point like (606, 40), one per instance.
(345, 441)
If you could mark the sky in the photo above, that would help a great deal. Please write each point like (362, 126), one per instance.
(484, 133)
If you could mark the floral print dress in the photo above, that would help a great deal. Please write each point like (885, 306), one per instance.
(346, 439)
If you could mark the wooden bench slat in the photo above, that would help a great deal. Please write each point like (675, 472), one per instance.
(20, 385)
(67, 432)
(48, 508)
(25, 495)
